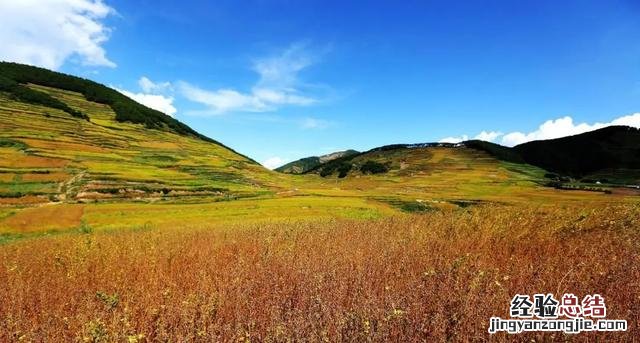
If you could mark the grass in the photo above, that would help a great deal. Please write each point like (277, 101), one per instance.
(164, 214)
(378, 280)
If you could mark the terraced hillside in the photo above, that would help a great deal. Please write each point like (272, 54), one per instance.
(49, 156)
(434, 174)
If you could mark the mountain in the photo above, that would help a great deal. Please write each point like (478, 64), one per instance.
(611, 154)
(613, 147)
(305, 164)
(411, 160)
(67, 138)
(15, 77)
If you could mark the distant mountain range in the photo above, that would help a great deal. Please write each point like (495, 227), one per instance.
(614, 147)
(610, 154)
(305, 164)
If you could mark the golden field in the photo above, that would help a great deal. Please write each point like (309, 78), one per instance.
(431, 277)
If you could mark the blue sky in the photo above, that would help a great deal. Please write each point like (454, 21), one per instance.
(280, 80)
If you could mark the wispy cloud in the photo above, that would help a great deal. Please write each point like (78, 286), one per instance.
(149, 86)
(47, 33)
(550, 129)
(222, 100)
(278, 85)
(309, 123)
(154, 95)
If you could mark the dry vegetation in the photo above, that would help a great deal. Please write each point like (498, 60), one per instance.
(432, 277)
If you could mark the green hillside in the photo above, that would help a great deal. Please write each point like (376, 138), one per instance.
(59, 144)
(608, 155)
(378, 160)
(610, 148)
(303, 165)
(15, 77)
(426, 160)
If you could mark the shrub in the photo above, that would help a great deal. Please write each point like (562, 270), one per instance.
(85, 228)
(10, 143)
(343, 169)
(110, 300)
(373, 167)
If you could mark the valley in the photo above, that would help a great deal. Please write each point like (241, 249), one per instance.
(52, 159)
(145, 230)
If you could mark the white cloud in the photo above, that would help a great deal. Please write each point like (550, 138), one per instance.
(632, 120)
(158, 102)
(273, 162)
(515, 138)
(154, 95)
(149, 86)
(281, 71)
(550, 129)
(48, 32)
(277, 86)
(314, 123)
(276, 97)
(488, 136)
(454, 139)
(221, 100)
(563, 127)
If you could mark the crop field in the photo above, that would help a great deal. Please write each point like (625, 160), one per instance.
(322, 280)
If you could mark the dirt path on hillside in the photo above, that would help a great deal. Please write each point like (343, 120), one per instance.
(64, 189)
